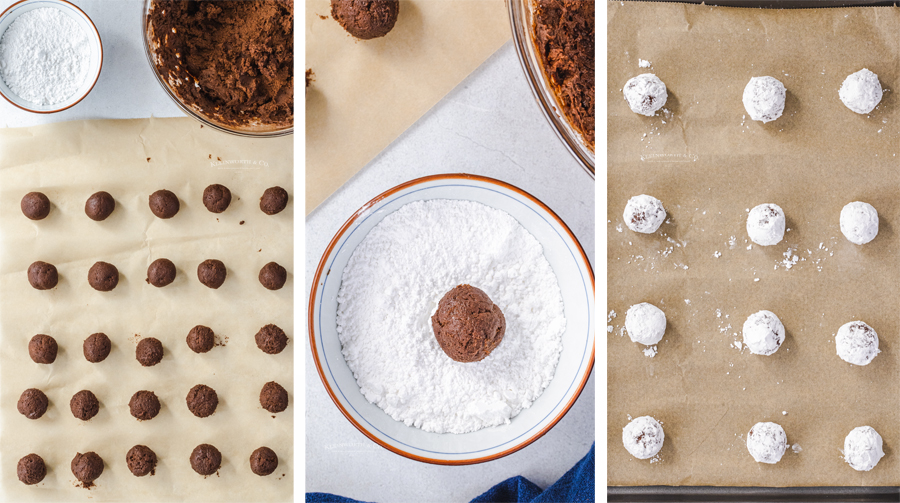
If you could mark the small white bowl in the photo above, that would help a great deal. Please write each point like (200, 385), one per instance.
(17, 9)
(576, 281)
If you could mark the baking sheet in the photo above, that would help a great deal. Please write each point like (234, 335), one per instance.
(367, 92)
(131, 159)
(709, 164)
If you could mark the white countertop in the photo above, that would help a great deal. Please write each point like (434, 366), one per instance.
(489, 125)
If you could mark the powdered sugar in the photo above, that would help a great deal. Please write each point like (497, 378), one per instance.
(391, 287)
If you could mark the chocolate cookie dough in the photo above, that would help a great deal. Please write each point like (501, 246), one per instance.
(87, 467)
(235, 60)
(164, 203)
(84, 405)
(272, 276)
(564, 33)
(99, 206)
(42, 349)
(96, 347)
(201, 339)
(271, 339)
(144, 405)
(206, 459)
(467, 325)
(35, 205)
(216, 198)
(161, 272)
(32, 403)
(42, 276)
(212, 273)
(366, 19)
(103, 276)
(149, 351)
(31, 469)
(141, 461)
(273, 397)
(274, 200)
(202, 400)
(263, 461)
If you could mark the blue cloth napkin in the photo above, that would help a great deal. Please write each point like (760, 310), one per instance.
(576, 486)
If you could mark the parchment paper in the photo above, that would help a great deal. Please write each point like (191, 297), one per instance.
(709, 165)
(367, 92)
(131, 159)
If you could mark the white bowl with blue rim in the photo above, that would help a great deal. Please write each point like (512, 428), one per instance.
(576, 281)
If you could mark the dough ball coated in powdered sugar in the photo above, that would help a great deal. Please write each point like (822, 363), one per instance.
(765, 224)
(644, 214)
(764, 98)
(763, 333)
(861, 91)
(645, 323)
(767, 442)
(645, 94)
(643, 437)
(859, 222)
(863, 448)
(857, 343)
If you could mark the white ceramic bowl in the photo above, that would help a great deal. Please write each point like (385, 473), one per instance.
(576, 280)
(17, 9)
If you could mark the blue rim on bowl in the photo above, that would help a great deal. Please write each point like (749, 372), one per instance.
(573, 271)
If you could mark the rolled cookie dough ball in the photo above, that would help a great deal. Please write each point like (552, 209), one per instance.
(87, 467)
(141, 460)
(272, 276)
(149, 352)
(35, 206)
(42, 276)
(366, 19)
(861, 91)
(161, 272)
(212, 272)
(201, 339)
(767, 442)
(164, 204)
(144, 405)
(863, 448)
(84, 405)
(31, 469)
(216, 198)
(206, 459)
(645, 94)
(202, 400)
(644, 214)
(96, 347)
(763, 333)
(271, 339)
(273, 397)
(263, 461)
(645, 323)
(765, 224)
(857, 343)
(643, 437)
(274, 200)
(859, 222)
(43, 349)
(764, 98)
(103, 276)
(468, 326)
(99, 206)
(32, 403)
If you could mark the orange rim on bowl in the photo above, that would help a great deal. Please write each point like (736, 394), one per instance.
(322, 271)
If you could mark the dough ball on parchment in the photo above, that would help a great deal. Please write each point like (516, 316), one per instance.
(764, 98)
(859, 222)
(766, 224)
(643, 437)
(645, 94)
(763, 333)
(644, 214)
(857, 343)
(767, 442)
(863, 448)
(645, 323)
(861, 91)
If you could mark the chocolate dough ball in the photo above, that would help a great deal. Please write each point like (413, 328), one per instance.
(31, 469)
(42, 349)
(206, 459)
(202, 400)
(467, 325)
(216, 198)
(164, 204)
(144, 405)
(99, 206)
(161, 272)
(32, 403)
(141, 460)
(212, 273)
(103, 277)
(366, 19)
(84, 405)
(272, 276)
(42, 276)
(263, 461)
(149, 352)
(35, 206)
(271, 339)
(96, 347)
(273, 200)
(87, 467)
(201, 339)
(273, 397)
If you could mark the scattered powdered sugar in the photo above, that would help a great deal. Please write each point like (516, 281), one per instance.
(650, 352)
(796, 448)
(391, 287)
(643, 63)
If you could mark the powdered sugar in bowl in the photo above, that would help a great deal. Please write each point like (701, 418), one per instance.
(50, 55)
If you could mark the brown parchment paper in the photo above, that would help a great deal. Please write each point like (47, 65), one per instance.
(709, 164)
(367, 92)
(131, 159)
